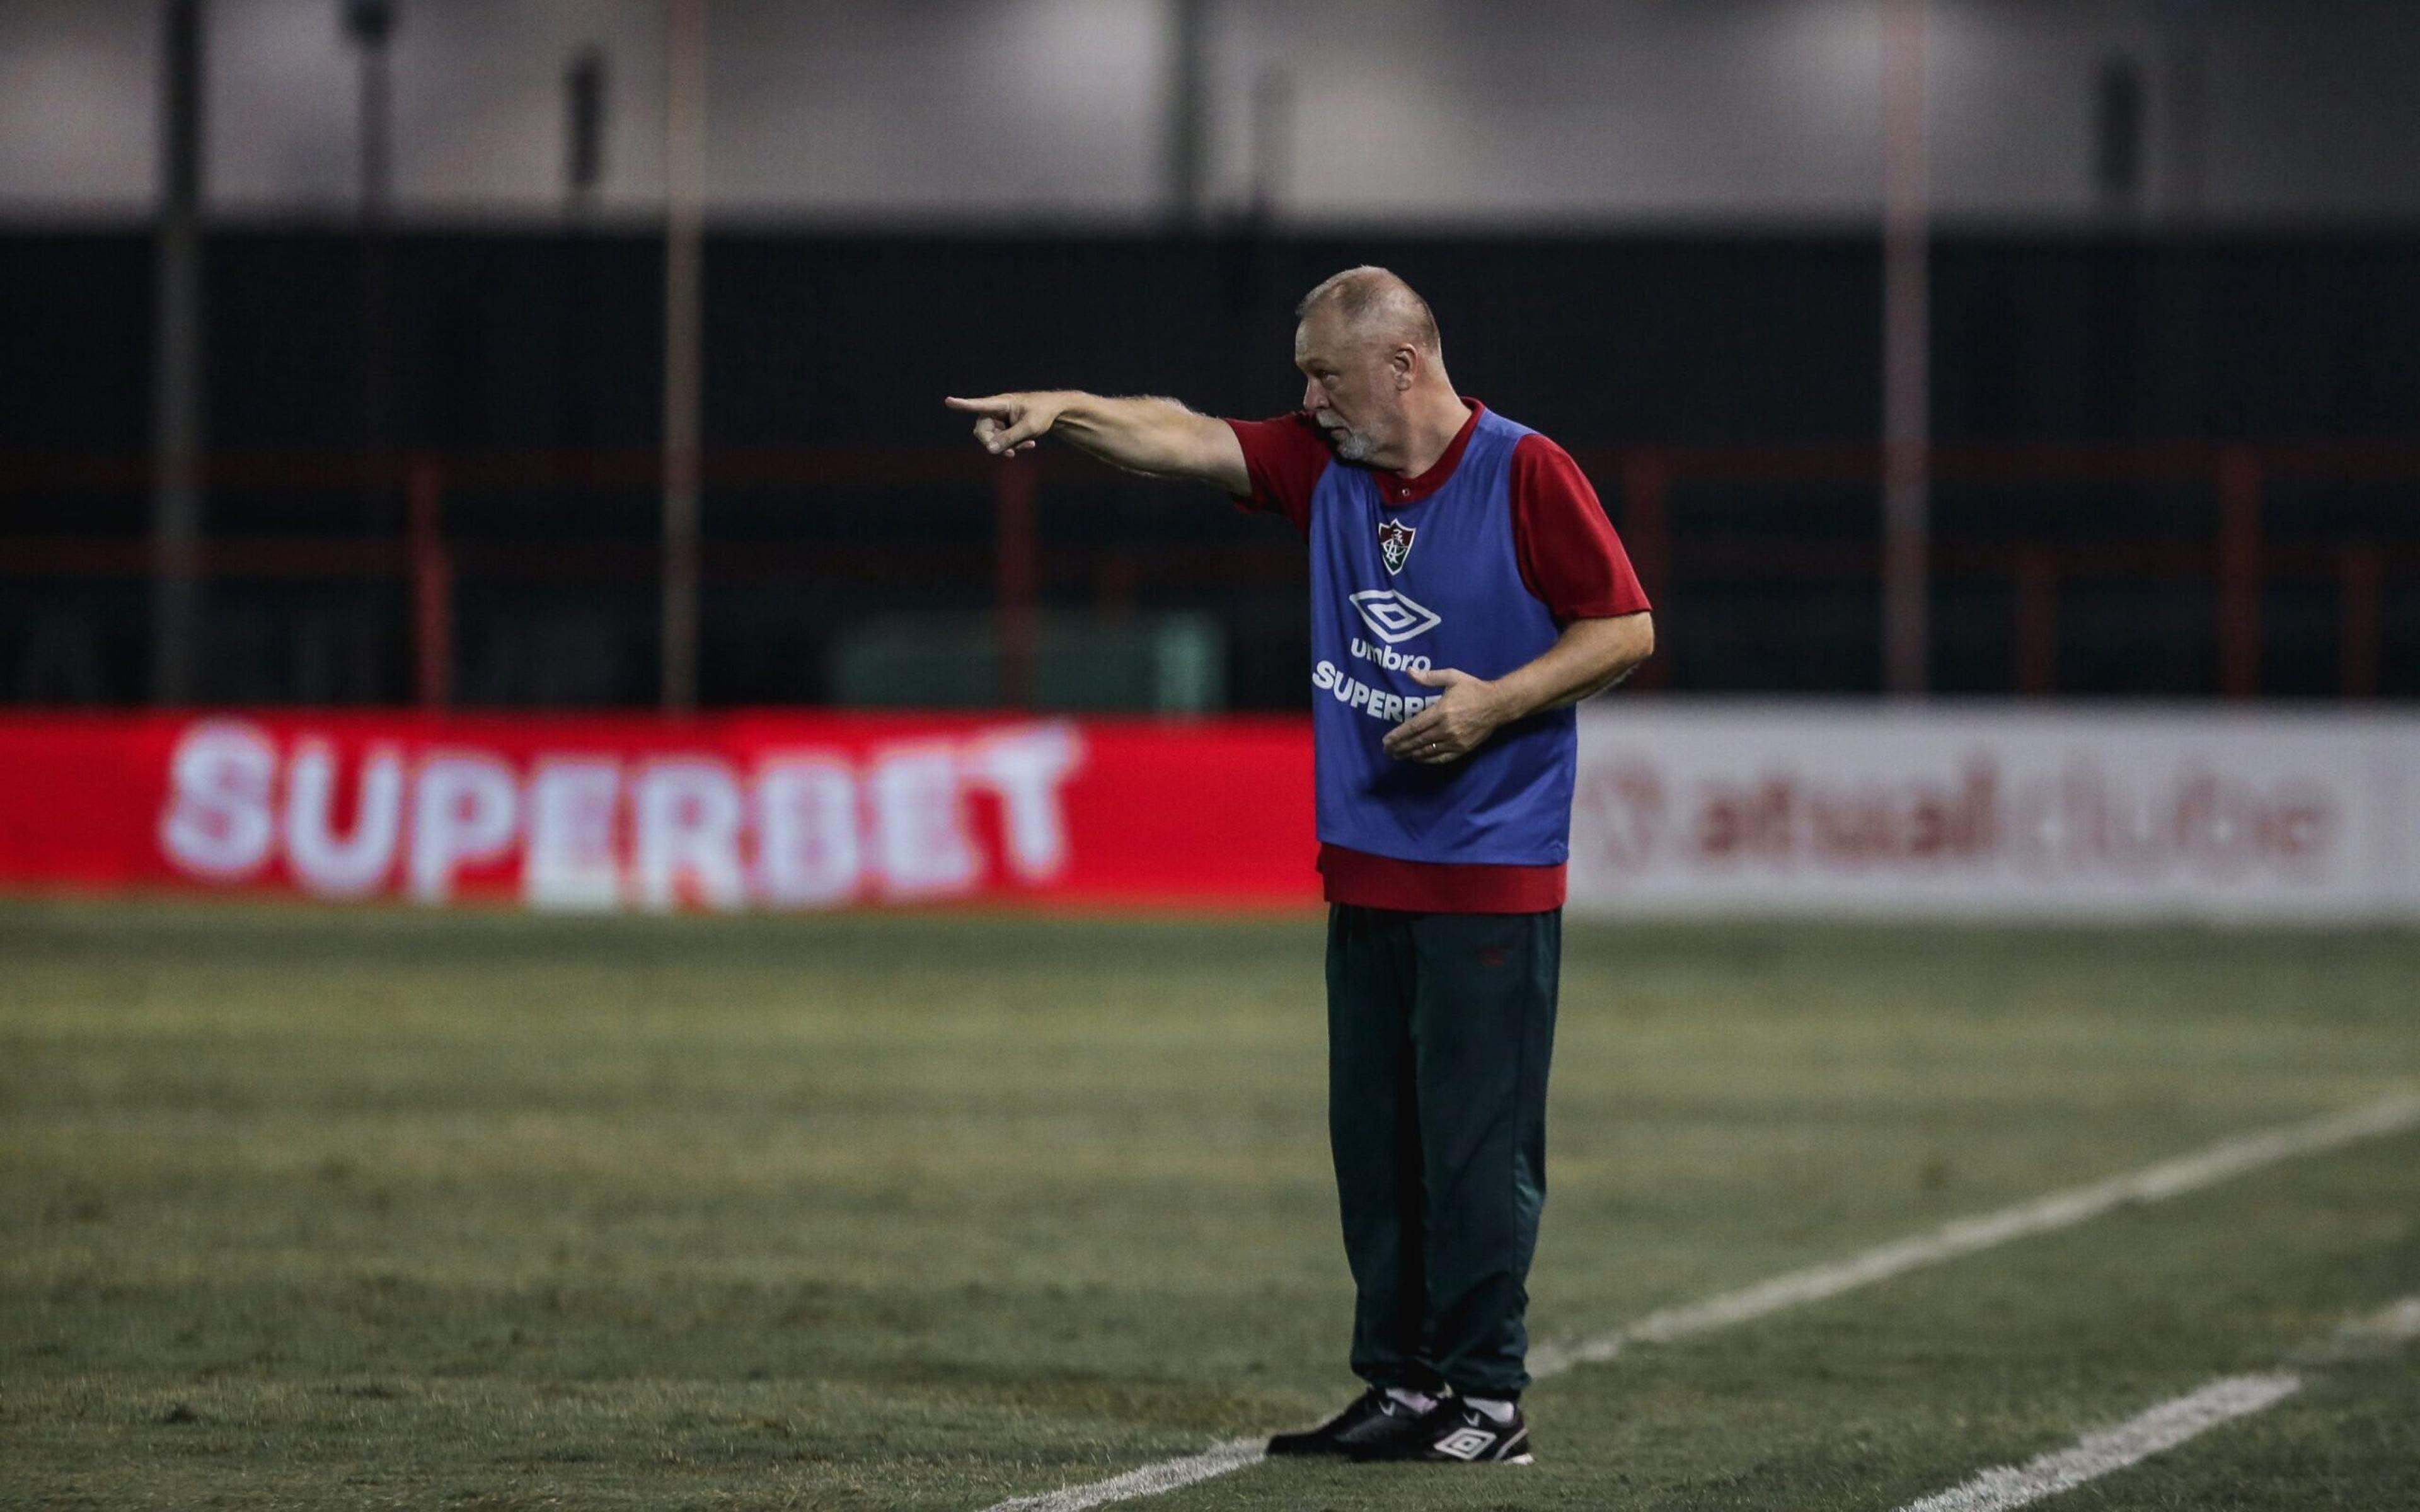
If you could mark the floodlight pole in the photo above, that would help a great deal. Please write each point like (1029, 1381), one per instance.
(177, 364)
(583, 95)
(371, 23)
(684, 268)
(1907, 339)
(1272, 143)
(1188, 144)
(2185, 28)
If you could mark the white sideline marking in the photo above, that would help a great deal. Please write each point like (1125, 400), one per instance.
(1959, 1237)
(2167, 1424)
(2397, 1321)
(1964, 1236)
(1150, 1480)
(2096, 1454)
(2394, 1324)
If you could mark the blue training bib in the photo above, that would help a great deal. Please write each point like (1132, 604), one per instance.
(1430, 584)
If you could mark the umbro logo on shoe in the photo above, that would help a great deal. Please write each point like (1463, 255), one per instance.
(1457, 1433)
(1467, 1444)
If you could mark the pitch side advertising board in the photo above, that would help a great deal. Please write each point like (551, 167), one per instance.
(774, 811)
(1825, 810)
(1682, 810)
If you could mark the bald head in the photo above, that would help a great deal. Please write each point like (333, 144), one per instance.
(1374, 377)
(1373, 304)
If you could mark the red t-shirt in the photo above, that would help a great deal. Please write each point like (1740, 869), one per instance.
(1569, 558)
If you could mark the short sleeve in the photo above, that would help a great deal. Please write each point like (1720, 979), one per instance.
(1285, 458)
(1569, 555)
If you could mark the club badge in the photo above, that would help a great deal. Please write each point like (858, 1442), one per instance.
(1394, 544)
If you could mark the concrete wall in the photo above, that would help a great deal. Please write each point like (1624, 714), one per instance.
(1523, 112)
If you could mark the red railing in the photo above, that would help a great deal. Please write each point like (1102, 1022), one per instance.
(2237, 554)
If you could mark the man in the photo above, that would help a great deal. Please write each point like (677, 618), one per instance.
(1467, 591)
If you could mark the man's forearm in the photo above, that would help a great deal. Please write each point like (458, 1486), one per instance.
(1590, 657)
(1159, 437)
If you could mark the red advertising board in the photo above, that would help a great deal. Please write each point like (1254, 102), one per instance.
(743, 810)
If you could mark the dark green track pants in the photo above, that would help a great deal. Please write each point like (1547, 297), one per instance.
(1439, 1029)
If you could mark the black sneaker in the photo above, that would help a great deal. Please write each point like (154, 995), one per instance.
(1374, 1423)
(1457, 1433)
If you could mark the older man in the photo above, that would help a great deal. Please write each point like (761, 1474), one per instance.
(1467, 591)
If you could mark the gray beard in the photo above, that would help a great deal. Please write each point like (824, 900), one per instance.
(1351, 446)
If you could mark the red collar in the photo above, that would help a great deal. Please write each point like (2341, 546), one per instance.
(1395, 492)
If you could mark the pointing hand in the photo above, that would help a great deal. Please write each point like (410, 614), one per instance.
(1007, 423)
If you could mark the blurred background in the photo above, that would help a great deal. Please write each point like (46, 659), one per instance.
(492, 453)
(534, 353)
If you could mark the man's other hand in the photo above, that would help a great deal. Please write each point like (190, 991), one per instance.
(1453, 727)
(1008, 423)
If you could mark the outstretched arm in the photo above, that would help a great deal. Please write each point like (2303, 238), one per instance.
(1158, 437)
(1590, 657)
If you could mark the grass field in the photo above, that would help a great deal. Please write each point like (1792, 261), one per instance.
(379, 1209)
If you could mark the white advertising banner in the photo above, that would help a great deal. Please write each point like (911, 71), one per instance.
(1825, 808)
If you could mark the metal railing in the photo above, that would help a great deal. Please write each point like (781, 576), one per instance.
(2236, 552)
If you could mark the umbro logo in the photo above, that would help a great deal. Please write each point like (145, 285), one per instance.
(1392, 617)
(1465, 1442)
